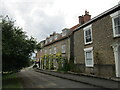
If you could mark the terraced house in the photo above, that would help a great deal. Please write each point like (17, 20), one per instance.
(55, 44)
(97, 45)
(93, 45)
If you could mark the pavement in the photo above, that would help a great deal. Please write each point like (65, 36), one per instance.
(35, 80)
(94, 81)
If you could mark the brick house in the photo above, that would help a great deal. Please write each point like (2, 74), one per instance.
(56, 43)
(40, 53)
(97, 44)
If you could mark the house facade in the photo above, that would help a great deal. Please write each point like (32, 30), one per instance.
(97, 45)
(56, 43)
(93, 45)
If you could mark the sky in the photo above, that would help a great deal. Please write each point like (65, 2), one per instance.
(40, 18)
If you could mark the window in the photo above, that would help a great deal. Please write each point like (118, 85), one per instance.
(41, 44)
(63, 33)
(55, 37)
(55, 64)
(89, 57)
(46, 42)
(41, 51)
(54, 50)
(45, 61)
(116, 23)
(63, 48)
(51, 38)
(88, 34)
(75, 60)
(45, 52)
(50, 51)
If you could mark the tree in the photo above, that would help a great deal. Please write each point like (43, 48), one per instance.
(16, 46)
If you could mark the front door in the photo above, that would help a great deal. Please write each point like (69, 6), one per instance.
(116, 50)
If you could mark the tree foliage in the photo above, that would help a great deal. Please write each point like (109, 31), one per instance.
(16, 46)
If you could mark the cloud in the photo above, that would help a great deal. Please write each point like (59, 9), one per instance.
(42, 24)
(35, 17)
(39, 18)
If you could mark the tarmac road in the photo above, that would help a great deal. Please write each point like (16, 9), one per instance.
(32, 79)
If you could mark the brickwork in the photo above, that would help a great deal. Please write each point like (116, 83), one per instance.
(58, 46)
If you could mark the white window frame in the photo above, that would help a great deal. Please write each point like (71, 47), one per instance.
(55, 49)
(41, 51)
(46, 41)
(87, 50)
(115, 15)
(55, 37)
(64, 32)
(41, 44)
(50, 51)
(45, 52)
(51, 39)
(75, 60)
(63, 48)
(85, 29)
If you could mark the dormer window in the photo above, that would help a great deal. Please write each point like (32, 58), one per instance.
(55, 37)
(51, 38)
(46, 41)
(116, 23)
(63, 33)
(41, 44)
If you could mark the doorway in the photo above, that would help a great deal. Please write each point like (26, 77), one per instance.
(118, 61)
(116, 50)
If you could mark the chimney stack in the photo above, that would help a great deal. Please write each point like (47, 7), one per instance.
(85, 18)
(81, 20)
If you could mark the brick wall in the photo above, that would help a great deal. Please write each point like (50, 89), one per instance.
(58, 47)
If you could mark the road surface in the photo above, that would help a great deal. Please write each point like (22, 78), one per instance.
(32, 79)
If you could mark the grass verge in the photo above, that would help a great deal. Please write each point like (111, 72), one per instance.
(11, 81)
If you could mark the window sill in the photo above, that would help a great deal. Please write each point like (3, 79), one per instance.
(63, 52)
(88, 43)
(115, 36)
(89, 66)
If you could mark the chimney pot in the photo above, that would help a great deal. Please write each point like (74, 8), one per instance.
(87, 17)
(86, 12)
(84, 18)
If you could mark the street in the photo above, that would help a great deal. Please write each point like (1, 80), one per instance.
(32, 79)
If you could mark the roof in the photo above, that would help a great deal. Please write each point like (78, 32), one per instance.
(65, 37)
(111, 10)
(59, 39)
(74, 27)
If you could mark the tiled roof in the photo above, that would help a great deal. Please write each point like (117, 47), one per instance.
(60, 35)
(59, 38)
(74, 27)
